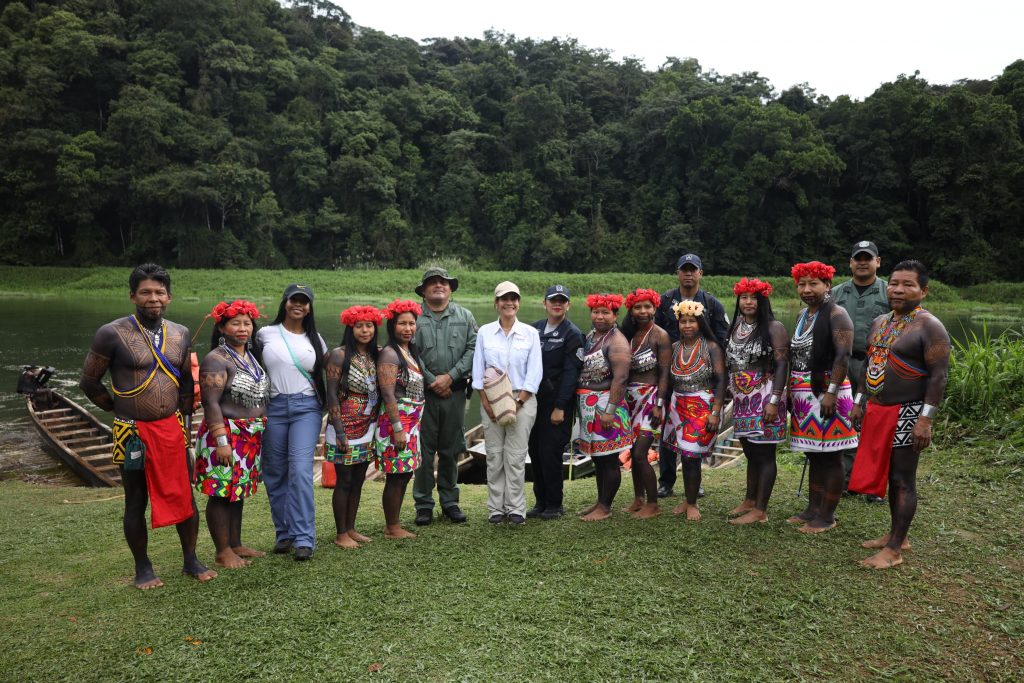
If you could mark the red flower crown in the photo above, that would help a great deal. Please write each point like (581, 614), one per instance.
(225, 311)
(612, 302)
(355, 314)
(752, 286)
(398, 307)
(642, 295)
(812, 269)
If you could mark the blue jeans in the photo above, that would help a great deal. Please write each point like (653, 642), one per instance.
(293, 428)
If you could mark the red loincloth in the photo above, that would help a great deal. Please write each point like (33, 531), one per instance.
(167, 473)
(870, 473)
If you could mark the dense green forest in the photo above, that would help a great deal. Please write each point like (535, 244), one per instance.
(253, 133)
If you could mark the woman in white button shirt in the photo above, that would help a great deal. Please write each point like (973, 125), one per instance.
(507, 346)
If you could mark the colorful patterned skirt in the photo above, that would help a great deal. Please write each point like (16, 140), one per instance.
(641, 399)
(360, 431)
(750, 394)
(686, 424)
(390, 460)
(241, 478)
(594, 440)
(808, 430)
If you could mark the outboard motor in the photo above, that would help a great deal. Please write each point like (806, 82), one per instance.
(32, 382)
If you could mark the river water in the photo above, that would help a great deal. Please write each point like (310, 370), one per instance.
(57, 332)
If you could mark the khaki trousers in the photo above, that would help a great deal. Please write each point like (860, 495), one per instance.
(506, 460)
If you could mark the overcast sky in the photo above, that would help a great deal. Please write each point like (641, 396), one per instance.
(836, 47)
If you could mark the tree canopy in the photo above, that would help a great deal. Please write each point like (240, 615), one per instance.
(253, 133)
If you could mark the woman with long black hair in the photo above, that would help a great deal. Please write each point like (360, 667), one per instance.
(757, 356)
(294, 355)
(234, 390)
(698, 394)
(400, 378)
(647, 389)
(601, 401)
(820, 399)
(353, 403)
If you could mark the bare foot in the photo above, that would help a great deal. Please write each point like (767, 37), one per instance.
(145, 579)
(345, 541)
(246, 551)
(635, 506)
(599, 513)
(743, 508)
(798, 519)
(648, 511)
(587, 511)
(692, 513)
(883, 559)
(229, 560)
(358, 537)
(816, 527)
(879, 543)
(680, 509)
(751, 517)
(396, 531)
(201, 576)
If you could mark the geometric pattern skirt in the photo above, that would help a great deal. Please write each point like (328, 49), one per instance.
(808, 430)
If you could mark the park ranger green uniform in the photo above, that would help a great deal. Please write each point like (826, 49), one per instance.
(863, 309)
(446, 341)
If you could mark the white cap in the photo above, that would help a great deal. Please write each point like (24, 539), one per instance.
(504, 288)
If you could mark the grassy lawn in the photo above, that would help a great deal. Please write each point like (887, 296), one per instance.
(619, 600)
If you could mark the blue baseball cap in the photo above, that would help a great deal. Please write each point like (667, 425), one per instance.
(689, 260)
(557, 290)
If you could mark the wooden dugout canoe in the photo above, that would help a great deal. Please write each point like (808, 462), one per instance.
(78, 438)
(75, 437)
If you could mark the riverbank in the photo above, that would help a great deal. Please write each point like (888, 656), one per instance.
(381, 285)
(567, 601)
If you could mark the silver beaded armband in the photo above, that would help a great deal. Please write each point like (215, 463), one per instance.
(833, 388)
(396, 426)
(774, 400)
(859, 399)
(222, 440)
(929, 411)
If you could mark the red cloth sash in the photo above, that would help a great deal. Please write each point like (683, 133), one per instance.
(167, 473)
(870, 473)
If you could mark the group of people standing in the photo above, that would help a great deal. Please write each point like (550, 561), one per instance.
(657, 382)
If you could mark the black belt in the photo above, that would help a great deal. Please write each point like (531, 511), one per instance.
(859, 355)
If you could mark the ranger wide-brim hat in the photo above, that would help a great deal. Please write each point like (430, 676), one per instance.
(453, 282)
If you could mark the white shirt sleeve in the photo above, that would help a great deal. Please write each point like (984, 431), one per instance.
(479, 365)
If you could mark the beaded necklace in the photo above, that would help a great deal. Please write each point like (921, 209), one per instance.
(246, 364)
(880, 346)
(250, 387)
(642, 358)
(691, 373)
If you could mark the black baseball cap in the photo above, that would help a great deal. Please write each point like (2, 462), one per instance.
(557, 290)
(864, 245)
(689, 260)
(293, 289)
